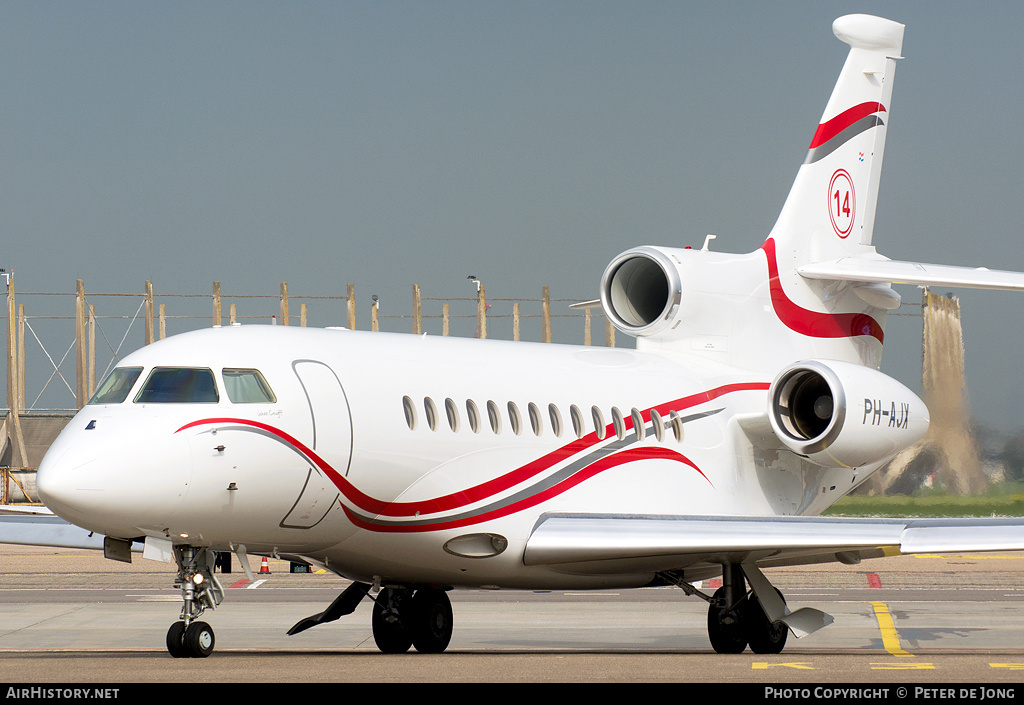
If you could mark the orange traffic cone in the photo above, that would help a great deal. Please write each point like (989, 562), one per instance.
(264, 567)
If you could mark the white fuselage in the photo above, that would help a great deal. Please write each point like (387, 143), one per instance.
(381, 448)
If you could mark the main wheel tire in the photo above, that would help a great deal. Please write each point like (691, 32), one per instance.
(432, 621)
(199, 640)
(726, 628)
(390, 621)
(763, 635)
(176, 640)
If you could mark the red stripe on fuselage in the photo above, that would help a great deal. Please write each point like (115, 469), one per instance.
(485, 490)
(626, 456)
(814, 324)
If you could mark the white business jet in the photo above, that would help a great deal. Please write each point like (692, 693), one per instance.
(413, 464)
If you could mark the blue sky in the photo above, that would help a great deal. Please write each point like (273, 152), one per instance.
(391, 143)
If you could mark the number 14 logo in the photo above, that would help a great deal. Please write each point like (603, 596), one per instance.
(842, 203)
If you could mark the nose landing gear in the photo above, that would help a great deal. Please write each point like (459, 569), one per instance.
(200, 589)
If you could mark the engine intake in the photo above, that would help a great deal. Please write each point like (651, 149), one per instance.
(839, 414)
(641, 291)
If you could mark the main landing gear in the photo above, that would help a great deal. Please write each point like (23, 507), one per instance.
(403, 618)
(736, 618)
(200, 589)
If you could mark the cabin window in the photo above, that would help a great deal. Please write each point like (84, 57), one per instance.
(247, 387)
(578, 426)
(658, 424)
(639, 427)
(599, 427)
(677, 425)
(494, 416)
(179, 385)
(473, 414)
(556, 420)
(514, 418)
(116, 387)
(452, 412)
(619, 423)
(431, 411)
(410, 412)
(536, 422)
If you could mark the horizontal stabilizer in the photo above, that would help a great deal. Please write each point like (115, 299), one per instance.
(890, 271)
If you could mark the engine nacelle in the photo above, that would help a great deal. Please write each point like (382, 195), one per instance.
(641, 291)
(839, 414)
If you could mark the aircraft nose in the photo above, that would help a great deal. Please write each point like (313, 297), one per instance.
(115, 476)
(56, 481)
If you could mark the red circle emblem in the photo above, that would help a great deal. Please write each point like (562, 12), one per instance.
(842, 203)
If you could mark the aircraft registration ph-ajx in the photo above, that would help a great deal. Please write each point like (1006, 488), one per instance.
(415, 464)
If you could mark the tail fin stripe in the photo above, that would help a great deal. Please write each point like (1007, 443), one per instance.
(842, 138)
(814, 324)
(829, 129)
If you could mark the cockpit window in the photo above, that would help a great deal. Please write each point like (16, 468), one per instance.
(247, 387)
(115, 388)
(179, 385)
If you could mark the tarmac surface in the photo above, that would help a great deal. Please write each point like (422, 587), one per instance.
(71, 616)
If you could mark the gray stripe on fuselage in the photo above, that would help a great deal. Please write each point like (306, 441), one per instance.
(545, 484)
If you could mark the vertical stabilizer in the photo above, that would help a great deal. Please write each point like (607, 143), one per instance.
(726, 307)
(830, 210)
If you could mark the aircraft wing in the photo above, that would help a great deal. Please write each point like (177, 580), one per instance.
(917, 273)
(601, 544)
(46, 530)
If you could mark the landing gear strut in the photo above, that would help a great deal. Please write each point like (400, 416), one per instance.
(200, 589)
(736, 618)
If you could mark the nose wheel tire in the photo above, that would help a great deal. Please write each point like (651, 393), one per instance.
(175, 640)
(195, 641)
(199, 639)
